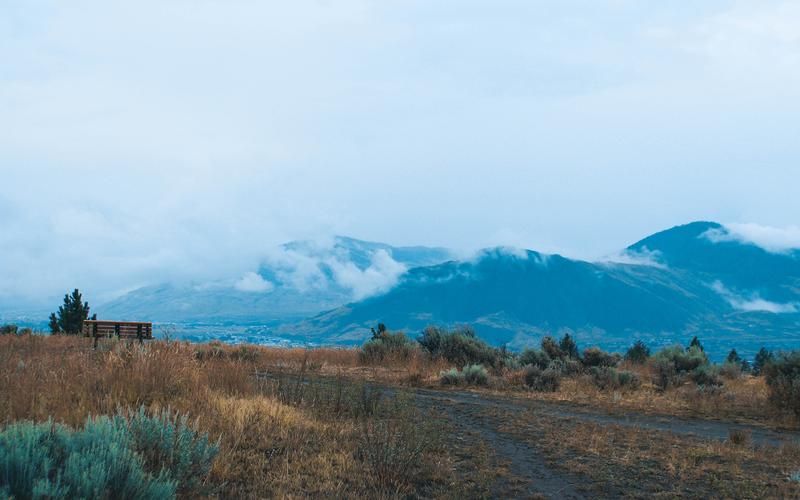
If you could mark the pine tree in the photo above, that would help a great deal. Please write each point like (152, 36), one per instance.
(568, 346)
(54, 328)
(71, 315)
(696, 343)
(763, 358)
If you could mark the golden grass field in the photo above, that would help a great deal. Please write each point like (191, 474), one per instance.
(323, 423)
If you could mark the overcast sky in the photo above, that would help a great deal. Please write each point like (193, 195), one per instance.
(164, 140)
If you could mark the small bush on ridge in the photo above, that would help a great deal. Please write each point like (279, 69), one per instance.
(469, 375)
(783, 380)
(594, 356)
(548, 380)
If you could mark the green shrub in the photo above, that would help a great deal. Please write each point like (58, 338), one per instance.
(684, 360)
(595, 356)
(129, 455)
(568, 346)
(460, 346)
(629, 380)
(534, 357)
(783, 380)
(385, 345)
(705, 376)
(731, 371)
(605, 377)
(8, 329)
(450, 377)
(469, 375)
(665, 375)
(548, 380)
(638, 353)
(475, 375)
(550, 347)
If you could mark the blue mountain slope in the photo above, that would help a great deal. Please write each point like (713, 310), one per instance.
(511, 297)
(707, 249)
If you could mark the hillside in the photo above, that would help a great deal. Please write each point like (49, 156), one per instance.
(720, 290)
(297, 280)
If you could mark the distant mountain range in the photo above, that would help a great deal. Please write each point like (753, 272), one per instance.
(695, 279)
(691, 279)
(297, 280)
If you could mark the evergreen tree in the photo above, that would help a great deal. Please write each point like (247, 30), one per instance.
(638, 352)
(568, 346)
(734, 358)
(71, 315)
(696, 343)
(763, 358)
(54, 328)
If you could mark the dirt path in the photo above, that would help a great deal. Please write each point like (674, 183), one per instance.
(703, 429)
(529, 472)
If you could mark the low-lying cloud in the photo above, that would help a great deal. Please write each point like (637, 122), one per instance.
(771, 239)
(253, 282)
(754, 303)
(641, 257)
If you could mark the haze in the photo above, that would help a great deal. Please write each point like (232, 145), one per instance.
(173, 140)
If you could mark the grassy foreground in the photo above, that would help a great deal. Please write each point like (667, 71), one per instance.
(267, 422)
(277, 436)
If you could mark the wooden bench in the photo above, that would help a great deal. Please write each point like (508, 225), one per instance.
(130, 330)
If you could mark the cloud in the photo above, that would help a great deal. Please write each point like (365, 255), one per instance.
(253, 282)
(642, 257)
(772, 239)
(754, 303)
(178, 141)
(382, 274)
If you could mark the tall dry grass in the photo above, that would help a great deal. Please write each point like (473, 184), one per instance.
(283, 430)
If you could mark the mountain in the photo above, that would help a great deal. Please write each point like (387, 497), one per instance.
(710, 251)
(696, 281)
(298, 279)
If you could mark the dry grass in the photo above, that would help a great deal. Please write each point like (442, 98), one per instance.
(282, 434)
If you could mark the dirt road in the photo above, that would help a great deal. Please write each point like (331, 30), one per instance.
(531, 469)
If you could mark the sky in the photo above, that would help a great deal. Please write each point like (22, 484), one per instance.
(168, 140)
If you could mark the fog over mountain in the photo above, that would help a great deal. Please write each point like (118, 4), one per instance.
(697, 279)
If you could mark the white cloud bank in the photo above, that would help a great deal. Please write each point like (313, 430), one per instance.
(253, 282)
(754, 303)
(772, 239)
(643, 257)
(382, 274)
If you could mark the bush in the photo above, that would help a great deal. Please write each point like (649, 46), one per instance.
(550, 347)
(730, 371)
(638, 353)
(548, 380)
(683, 360)
(665, 375)
(534, 357)
(8, 330)
(130, 455)
(450, 377)
(705, 376)
(594, 356)
(783, 380)
(762, 359)
(605, 377)
(568, 346)
(386, 345)
(475, 375)
(469, 375)
(459, 346)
